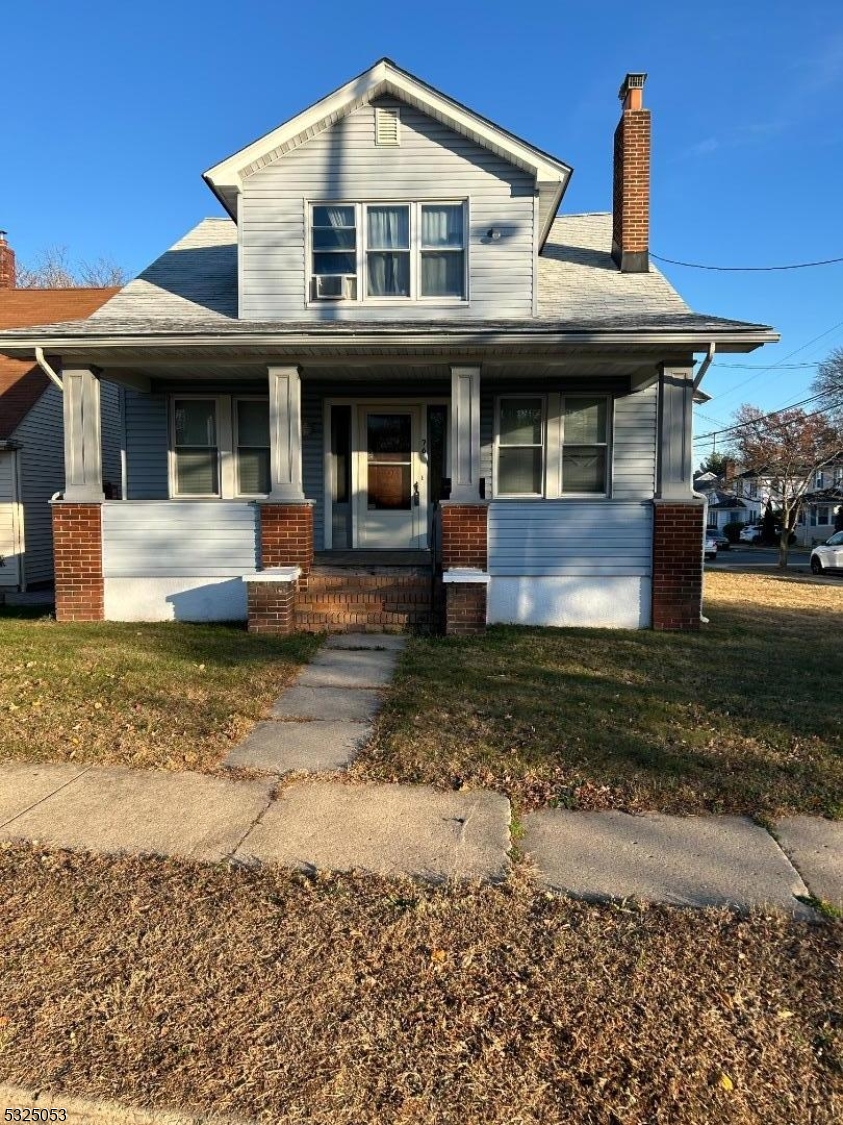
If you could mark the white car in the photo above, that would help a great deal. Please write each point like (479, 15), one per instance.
(829, 555)
(751, 533)
(710, 549)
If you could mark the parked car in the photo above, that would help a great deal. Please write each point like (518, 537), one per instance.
(829, 555)
(710, 551)
(723, 542)
(752, 533)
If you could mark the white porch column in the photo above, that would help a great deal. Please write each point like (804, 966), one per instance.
(82, 444)
(285, 433)
(465, 434)
(675, 438)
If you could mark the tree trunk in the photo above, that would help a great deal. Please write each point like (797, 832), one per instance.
(784, 547)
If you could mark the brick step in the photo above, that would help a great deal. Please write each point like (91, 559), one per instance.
(355, 597)
(352, 587)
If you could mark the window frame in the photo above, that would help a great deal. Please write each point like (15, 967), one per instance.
(497, 492)
(608, 445)
(227, 460)
(362, 251)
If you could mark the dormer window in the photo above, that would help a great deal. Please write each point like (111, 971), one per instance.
(388, 252)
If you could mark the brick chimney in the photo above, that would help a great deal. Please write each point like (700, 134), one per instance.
(631, 183)
(7, 263)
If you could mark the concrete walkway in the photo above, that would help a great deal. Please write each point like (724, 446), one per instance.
(324, 718)
(318, 725)
(419, 831)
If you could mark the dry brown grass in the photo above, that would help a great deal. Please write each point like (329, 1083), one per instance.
(161, 696)
(347, 1000)
(742, 717)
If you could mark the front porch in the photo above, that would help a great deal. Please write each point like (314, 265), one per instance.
(385, 496)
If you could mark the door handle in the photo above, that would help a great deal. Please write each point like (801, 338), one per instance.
(416, 496)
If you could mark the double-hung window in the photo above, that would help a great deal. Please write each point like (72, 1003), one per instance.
(585, 445)
(196, 447)
(384, 251)
(388, 250)
(442, 250)
(520, 470)
(252, 430)
(333, 238)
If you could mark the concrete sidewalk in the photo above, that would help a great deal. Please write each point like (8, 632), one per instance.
(419, 831)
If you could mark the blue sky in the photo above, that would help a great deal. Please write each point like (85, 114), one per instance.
(118, 108)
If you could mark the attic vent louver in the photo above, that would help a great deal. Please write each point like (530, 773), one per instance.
(387, 126)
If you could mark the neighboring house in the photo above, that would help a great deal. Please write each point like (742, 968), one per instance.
(31, 437)
(393, 356)
(724, 508)
(820, 512)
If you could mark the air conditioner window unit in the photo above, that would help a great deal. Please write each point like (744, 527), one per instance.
(334, 287)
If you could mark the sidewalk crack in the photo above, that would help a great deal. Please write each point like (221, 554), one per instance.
(46, 797)
(230, 857)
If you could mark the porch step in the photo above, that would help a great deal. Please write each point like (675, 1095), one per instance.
(365, 599)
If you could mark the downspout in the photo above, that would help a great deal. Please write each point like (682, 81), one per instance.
(41, 360)
(704, 366)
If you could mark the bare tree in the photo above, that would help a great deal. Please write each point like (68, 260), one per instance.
(786, 449)
(829, 383)
(53, 269)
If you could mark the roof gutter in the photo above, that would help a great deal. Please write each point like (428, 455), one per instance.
(41, 360)
(704, 366)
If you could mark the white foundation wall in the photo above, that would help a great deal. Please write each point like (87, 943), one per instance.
(175, 599)
(598, 602)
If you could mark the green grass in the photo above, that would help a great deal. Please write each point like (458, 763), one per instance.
(165, 695)
(743, 717)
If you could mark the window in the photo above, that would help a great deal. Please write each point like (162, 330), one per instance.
(585, 445)
(388, 251)
(823, 516)
(520, 447)
(252, 447)
(195, 447)
(334, 253)
(401, 251)
(442, 250)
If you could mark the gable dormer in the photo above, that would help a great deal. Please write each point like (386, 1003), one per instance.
(387, 195)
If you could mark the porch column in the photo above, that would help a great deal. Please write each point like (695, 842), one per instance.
(465, 434)
(678, 516)
(82, 444)
(285, 434)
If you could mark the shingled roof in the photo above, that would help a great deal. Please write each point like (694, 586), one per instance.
(21, 382)
(192, 290)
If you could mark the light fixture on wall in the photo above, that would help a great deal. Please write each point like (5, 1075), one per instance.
(494, 233)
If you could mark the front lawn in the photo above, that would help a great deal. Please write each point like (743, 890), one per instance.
(744, 717)
(266, 995)
(165, 696)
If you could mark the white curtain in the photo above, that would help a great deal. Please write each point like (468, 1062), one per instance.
(389, 251)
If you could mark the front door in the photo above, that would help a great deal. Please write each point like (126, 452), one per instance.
(391, 478)
(10, 545)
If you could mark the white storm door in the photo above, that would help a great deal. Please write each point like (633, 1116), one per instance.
(391, 479)
(10, 545)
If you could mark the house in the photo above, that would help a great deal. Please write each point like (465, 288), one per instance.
(724, 508)
(31, 437)
(821, 513)
(393, 376)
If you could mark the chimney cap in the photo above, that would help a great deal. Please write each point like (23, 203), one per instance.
(633, 81)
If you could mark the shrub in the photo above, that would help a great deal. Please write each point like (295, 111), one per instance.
(732, 531)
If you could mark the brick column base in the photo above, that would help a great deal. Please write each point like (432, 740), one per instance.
(77, 555)
(271, 598)
(464, 535)
(286, 535)
(677, 564)
(465, 602)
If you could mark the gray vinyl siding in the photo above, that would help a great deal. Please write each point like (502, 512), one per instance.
(41, 436)
(584, 538)
(183, 538)
(111, 434)
(147, 443)
(342, 163)
(634, 476)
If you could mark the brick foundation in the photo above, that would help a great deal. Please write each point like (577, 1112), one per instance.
(677, 564)
(465, 609)
(77, 553)
(286, 535)
(464, 535)
(365, 600)
(272, 606)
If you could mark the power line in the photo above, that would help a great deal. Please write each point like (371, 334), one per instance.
(762, 417)
(761, 367)
(747, 269)
(772, 429)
